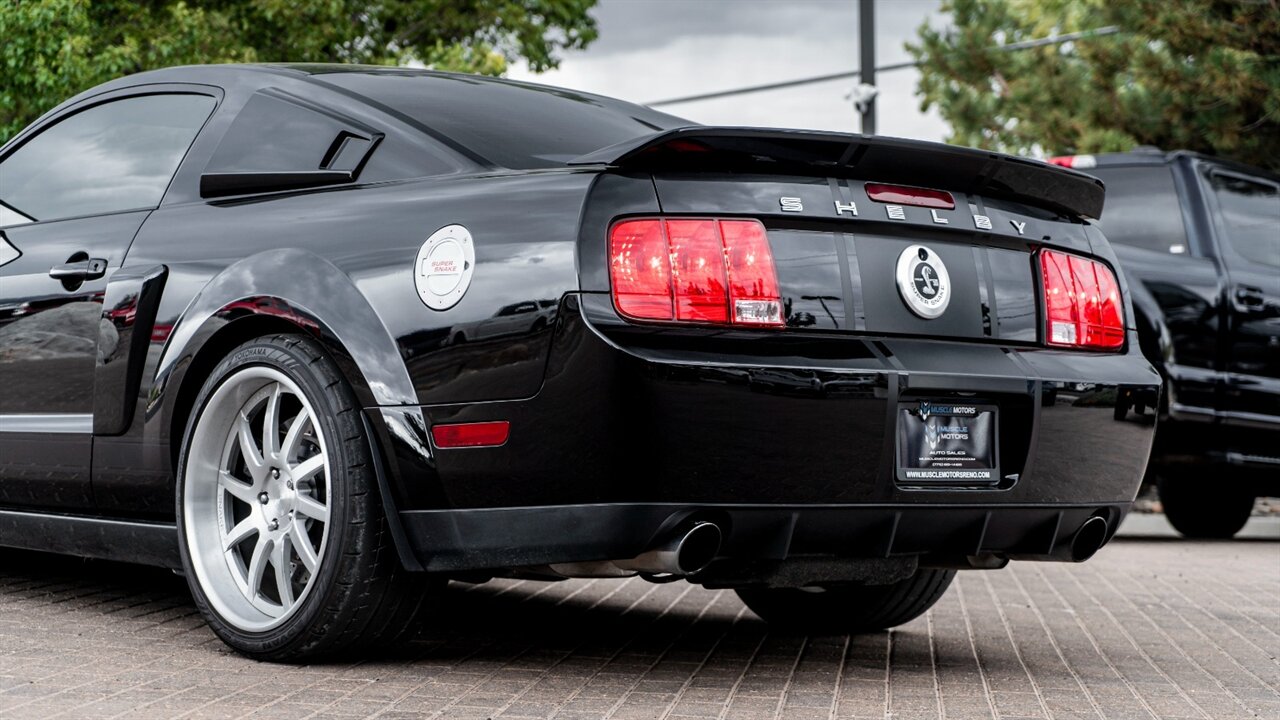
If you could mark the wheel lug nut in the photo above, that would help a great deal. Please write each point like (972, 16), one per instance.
(275, 473)
(263, 498)
(273, 525)
(288, 484)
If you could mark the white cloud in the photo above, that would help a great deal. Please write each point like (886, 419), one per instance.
(658, 49)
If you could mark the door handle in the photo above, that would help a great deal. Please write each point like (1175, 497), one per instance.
(90, 269)
(1249, 298)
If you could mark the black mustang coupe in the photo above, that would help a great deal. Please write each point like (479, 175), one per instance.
(323, 338)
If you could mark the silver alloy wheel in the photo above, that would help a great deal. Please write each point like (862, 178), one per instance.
(256, 498)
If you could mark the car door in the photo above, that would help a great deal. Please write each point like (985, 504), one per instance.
(1246, 212)
(1173, 276)
(73, 193)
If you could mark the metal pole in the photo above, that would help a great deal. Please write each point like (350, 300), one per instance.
(867, 62)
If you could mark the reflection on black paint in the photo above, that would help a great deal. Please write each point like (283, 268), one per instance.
(809, 278)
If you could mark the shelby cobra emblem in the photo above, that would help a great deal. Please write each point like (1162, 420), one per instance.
(923, 282)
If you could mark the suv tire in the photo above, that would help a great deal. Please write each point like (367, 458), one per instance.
(1201, 509)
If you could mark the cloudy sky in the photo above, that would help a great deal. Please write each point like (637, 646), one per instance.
(651, 50)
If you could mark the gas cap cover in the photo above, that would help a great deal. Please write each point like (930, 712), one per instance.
(442, 272)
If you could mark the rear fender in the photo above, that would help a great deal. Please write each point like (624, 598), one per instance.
(1154, 338)
(283, 291)
(301, 289)
(286, 290)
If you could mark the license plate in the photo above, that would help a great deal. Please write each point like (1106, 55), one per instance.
(947, 442)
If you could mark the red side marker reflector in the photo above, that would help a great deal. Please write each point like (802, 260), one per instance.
(481, 434)
(903, 195)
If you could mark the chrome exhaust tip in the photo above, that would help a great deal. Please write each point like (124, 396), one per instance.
(687, 551)
(1089, 539)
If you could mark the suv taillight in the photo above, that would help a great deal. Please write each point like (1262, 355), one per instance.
(697, 270)
(1078, 162)
(1082, 304)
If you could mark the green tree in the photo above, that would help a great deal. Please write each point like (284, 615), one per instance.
(1201, 75)
(53, 49)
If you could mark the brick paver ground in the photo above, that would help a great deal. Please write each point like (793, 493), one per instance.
(1149, 628)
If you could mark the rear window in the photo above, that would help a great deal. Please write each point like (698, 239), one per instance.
(1142, 208)
(510, 124)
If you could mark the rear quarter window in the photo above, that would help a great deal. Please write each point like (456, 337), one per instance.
(1142, 208)
(272, 133)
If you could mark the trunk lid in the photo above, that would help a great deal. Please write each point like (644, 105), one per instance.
(839, 272)
(837, 250)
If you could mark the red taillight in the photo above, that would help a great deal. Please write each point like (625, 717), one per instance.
(753, 284)
(699, 270)
(640, 268)
(903, 195)
(684, 146)
(1079, 162)
(1082, 302)
(461, 435)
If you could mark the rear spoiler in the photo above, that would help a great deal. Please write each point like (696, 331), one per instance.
(881, 159)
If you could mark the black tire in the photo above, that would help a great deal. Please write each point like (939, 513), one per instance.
(360, 596)
(849, 608)
(1200, 509)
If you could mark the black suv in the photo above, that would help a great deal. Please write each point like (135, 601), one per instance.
(1199, 239)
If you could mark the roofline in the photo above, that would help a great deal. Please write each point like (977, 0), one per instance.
(1141, 158)
(1227, 163)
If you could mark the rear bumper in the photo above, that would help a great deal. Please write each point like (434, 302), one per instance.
(635, 426)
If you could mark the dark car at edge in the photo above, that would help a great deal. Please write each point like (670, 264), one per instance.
(325, 338)
(1199, 238)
